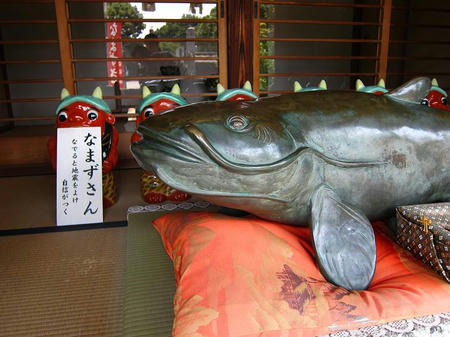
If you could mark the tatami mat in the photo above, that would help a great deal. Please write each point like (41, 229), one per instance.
(63, 284)
(150, 283)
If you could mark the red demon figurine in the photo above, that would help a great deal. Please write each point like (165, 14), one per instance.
(436, 98)
(78, 111)
(152, 188)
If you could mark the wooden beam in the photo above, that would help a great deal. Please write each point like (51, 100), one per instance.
(318, 3)
(222, 42)
(256, 47)
(234, 36)
(65, 50)
(167, 39)
(22, 151)
(314, 39)
(240, 35)
(322, 22)
(385, 37)
(247, 42)
(142, 20)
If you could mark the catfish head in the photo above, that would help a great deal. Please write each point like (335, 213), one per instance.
(232, 149)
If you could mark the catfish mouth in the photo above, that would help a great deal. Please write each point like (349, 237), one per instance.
(170, 146)
(216, 194)
(209, 149)
(173, 148)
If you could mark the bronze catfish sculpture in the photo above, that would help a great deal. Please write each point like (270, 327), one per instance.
(333, 159)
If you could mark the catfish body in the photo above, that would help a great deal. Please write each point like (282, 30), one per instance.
(329, 159)
(375, 151)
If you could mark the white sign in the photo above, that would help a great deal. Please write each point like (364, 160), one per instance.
(79, 193)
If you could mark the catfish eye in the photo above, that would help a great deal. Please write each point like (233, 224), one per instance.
(92, 115)
(148, 112)
(425, 102)
(62, 116)
(444, 100)
(237, 123)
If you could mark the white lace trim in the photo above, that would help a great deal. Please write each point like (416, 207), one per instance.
(436, 325)
(169, 206)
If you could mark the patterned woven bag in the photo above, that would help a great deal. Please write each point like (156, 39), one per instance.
(424, 230)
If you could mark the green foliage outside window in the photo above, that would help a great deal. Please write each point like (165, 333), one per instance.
(178, 30)
(266, 48)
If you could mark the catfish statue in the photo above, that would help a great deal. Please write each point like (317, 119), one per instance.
(330, 159)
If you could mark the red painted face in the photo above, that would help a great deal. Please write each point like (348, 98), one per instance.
(83, 114)
(156, 108)
(150, 110)
(241, 97)
(436, 99)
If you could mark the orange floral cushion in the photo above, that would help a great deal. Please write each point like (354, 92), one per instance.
(250, 277)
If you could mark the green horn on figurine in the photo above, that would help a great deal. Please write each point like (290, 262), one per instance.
(378, 89)
(299, 88)
(237, 94)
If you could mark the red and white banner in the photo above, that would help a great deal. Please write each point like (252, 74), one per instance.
(114, 50)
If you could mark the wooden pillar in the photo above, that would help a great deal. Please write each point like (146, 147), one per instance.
(240, 46)
(385, 38)
(254, 43)
(223, 38)
(64, 45)
(247, 42)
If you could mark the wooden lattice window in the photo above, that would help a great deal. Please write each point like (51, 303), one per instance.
(340, 41)
(46, 45)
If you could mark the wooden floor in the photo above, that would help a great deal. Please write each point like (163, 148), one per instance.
(29, 201)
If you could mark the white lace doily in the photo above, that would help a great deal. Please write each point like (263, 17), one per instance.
(169, 206)
(437, 325)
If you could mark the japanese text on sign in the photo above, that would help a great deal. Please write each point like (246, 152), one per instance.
(114, 50)
(79, 176)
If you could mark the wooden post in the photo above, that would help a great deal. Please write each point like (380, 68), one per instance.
(256, 47)
(222, 38)
(385, 38)
(240, 36)
(234, 36)
(247, 41)
(64, 45)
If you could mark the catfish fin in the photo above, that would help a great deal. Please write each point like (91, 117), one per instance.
(343, 240)
(414, 90)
